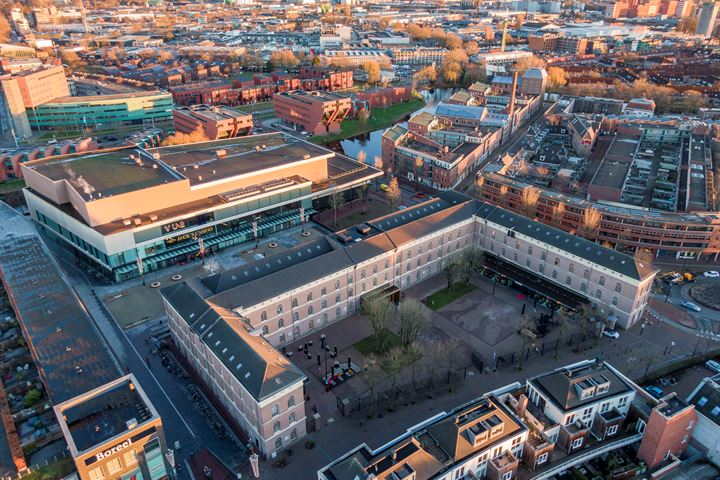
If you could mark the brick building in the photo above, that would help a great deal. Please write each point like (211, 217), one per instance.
(668, 431)
(383, 97)
(217, 122)
(319, 113)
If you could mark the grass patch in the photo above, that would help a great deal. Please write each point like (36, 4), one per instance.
(369, 345)
(255, 107)
(60, 469)
(12, 185)
(446, 296)
(379, 118)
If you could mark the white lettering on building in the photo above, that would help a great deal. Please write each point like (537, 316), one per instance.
(113, 450)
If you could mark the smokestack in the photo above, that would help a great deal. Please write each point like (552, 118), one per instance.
(511, 107)
(522, 405)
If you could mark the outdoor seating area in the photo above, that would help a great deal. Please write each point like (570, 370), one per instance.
(339, 373)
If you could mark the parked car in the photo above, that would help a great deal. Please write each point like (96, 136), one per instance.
(384, 187)
(611, 333)
(669, 381)
(654, 391)
(690, 306)
(713, 365)
(712, 274)
(420, 195)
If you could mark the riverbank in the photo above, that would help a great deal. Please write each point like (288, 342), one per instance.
(379, 118)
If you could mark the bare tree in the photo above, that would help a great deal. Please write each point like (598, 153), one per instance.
(590, 222)
(418, 166)
(558, 213)
(373, 377)
(451, 270)
(336, 200)
(380, 312)
(361, 156)
(413, 321)
(530, 197)
(393, 192)
(453, 352)
(471, 262)
(527, 334)
(479, 182)
(394, 362)
(503, 200)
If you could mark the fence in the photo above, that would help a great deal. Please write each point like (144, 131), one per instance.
(402, 394)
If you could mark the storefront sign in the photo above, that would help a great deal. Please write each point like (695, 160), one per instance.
(189, 236)
(113, 450)
(174, 226)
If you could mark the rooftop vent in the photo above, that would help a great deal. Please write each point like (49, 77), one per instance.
(132, 423)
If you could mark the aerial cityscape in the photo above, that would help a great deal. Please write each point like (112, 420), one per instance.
(360, 239)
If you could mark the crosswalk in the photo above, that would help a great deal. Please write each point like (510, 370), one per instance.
(704, 328)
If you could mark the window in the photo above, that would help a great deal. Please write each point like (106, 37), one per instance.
(557, 261)
(276, 426)
(291, 401)
(529, 250)
(622, 402)
(587, 275)
(602, 281)
(278, 443)
(598, 294)
(310, 310)
(282, 338)
(507, 475)
(114, 466)
(362, 274)
(265, 330)
(604, 407)
(568, 280)
(554, 274)
(309, 297)
(375, 269)
(337, 299)
(292, 418)
(543, 256)
(640, 426)
(324, 318)
(614, 301)
(586, 414)
(577, 443)
(571, 268)
(323, 291)
(279, 309)
(570, 419)
(323, 304)
(295, 316)
(618, 287)
(338, 312)
(294, 302)
(293, 434)
(337, 285)
(97, 474)
(541, 459)
(275, 411)
(612, 430)
(583, 287)
(263, 316)
(130, 458)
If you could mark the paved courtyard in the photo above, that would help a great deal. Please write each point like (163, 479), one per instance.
(488, 318)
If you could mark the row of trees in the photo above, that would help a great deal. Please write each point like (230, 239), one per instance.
(461, 268)
(409, 358)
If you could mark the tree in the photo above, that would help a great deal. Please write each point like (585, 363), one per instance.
(452, 270)
(180, 138)
(418, 165)
(453, 352)
(283, 59)
(527, 334)
(394, 362)
(529, 62)
(5, 29)
(688, 25)
(529, 199)
(413, 321)
(32, 397)
(557, 77)
(336, 200)
(558, 213)
(380, 311)
(479, 182)
(373, 376)
(378, 162)
(372, 69)
(393, 192)
(472, 261)
(590, 222)
(361, 156)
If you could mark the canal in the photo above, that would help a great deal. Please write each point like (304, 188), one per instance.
(371, 142)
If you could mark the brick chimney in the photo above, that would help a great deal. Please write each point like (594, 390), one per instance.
(522, 405)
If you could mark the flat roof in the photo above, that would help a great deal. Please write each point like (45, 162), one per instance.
(71, 356)
(108, 414)
(105, 173)
(200, 163)
(111, 97)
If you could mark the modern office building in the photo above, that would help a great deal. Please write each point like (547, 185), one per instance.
(319, 113)
(111, 427)
(707, 18)
(418, 55)
(215, 122)
(535, 431)
(103, 111)
(128, 210)
(23, 92)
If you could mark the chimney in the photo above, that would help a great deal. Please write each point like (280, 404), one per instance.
(522, 405)
(511, 106)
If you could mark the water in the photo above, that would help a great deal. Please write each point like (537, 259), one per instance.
(371, 142)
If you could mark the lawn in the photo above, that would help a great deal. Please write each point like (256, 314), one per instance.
(60, 469)
(444, 297)
(12, 185)
(256, 107)
(368, 345)
(379, 118)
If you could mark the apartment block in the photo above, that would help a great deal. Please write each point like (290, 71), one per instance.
(216, 122)
(319, 113)
(668, 431)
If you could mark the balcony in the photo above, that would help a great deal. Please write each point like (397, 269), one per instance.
(560, 461)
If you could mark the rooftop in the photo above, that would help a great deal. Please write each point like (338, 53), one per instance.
(71, 356)
(106, 415)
